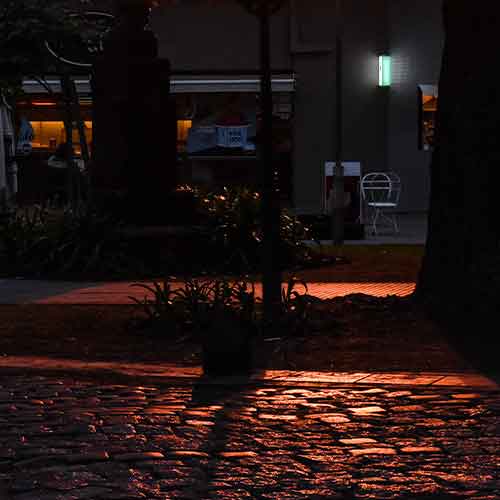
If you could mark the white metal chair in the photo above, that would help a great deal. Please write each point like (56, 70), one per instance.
(380, 192)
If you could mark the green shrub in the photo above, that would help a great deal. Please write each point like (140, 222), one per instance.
(86, 241)
(24, 238)
(233, 216)
(164, 312)
(38, 242)
(296, 308)
(196, 304)
(204, 305)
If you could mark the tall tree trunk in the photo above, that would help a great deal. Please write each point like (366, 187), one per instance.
(460, 275)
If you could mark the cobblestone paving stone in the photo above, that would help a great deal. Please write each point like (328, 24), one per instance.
(63, 438)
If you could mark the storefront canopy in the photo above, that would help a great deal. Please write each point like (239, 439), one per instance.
(219, 84)
(182, 84)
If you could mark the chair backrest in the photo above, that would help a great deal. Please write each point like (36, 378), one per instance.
(381, 187)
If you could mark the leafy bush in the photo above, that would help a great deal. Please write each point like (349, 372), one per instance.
(74, 242)
(234, 218)
(197, 304)
(205, 304)
(23, 238)
(296, 308)
(86, 241)
(163, 312)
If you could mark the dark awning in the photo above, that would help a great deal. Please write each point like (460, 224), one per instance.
(182, 84)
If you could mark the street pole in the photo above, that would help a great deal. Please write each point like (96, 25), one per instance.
(338, 173)
(271, 281)
(72, 181)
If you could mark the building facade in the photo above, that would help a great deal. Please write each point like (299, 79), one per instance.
(382, 126)
(213, 50)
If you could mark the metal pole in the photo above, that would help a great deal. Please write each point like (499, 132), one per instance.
(82, 139)
(68, 125)
(338, 173)
(270, 205)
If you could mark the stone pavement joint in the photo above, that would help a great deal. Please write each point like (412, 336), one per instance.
(190, 373)
(64, 438)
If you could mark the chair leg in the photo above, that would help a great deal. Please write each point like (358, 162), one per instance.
(385, 219)
(374, 222)
(395, 223)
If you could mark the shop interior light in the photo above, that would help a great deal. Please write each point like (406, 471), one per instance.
(384, 71)
(43, 103)
(183, 127)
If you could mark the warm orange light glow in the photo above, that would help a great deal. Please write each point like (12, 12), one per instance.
(43, 103)
(183, 127)
(49, 134)
(429, 102)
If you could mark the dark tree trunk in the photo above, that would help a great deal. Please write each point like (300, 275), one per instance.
(460, 275)
(271, 274)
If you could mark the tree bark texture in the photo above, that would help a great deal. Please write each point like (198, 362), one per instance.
(460, 274)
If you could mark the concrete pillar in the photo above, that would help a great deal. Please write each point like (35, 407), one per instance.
(134, 119)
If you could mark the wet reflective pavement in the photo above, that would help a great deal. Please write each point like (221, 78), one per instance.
(64, 437)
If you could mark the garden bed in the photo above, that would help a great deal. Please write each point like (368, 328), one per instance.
(359, 332)
(356, 332)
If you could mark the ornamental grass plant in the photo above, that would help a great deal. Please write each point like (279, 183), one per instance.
(223, 315)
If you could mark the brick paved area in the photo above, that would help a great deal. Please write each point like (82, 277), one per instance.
(152, 371)
(65, 438)
(53, 292)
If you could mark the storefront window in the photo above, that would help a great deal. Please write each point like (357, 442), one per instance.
(217, 138)
(427, 102)
(225, 123)
(50, 134)
(46, 115)
(207, 123)
(183, 127)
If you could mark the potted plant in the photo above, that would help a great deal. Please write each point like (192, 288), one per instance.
(223, 316)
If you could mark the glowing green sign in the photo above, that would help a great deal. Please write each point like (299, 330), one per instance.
(384, 71)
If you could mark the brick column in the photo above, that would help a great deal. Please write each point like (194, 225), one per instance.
(134, 119)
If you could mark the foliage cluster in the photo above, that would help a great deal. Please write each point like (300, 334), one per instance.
(233, 219)
(36, 241)
(22, 234)
(25, 26)
(85, 241)
(224, 305)
(197, 303)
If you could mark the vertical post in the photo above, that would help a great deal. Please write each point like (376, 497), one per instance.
(3, 166)
(82, 139)
(68, 125)
(338, 173)
(270, 205)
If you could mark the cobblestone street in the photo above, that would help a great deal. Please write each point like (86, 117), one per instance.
(66, 438)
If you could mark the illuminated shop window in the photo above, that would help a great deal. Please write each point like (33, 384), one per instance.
(183, 127)
(427, 103)
(50, 134)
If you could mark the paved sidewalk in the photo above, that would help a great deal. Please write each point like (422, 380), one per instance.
(353, 436)
(22, 291)
(169, 372)
(412, 226)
